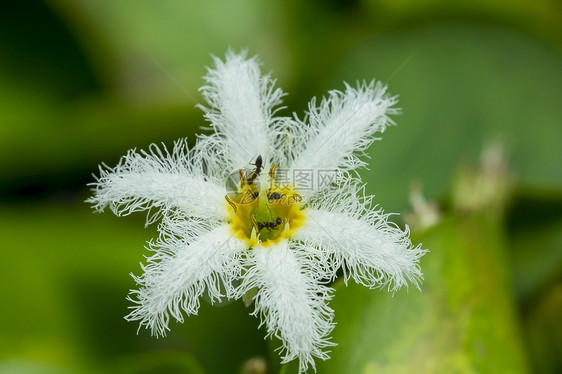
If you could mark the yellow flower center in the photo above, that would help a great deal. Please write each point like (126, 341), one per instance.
(264, 215)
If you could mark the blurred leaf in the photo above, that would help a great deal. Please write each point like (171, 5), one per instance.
(64, 295)
(14, 366)
(460, 86)
(223, 337)
(544, 331)
(462, 322)
(48, 250)
(537, 258)
(535, 233)
(153, 39)
(40, 52)
(541, 17)
(53, 141)
(159, 362)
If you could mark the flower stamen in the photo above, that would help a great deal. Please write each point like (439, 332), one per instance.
(230, 202)
(264, 216)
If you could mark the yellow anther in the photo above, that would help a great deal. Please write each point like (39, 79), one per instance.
(231, 203)
(255, 223)
(272, 171)
(242, 178)
(272, 176)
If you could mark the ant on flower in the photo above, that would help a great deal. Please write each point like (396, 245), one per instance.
(258, 164)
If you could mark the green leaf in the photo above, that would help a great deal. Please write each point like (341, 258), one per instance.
(151, 40)
(537, 258)
(158, 362)
(459, 86)
(64, 295)
(18, 366)
(462, 322)
(544, 331)
(535, 227)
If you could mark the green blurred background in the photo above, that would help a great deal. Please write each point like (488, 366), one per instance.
(81, 82)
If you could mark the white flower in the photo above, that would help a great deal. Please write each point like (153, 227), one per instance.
(236, 230)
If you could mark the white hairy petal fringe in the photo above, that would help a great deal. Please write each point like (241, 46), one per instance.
(344, 123)
(354, 235)
(290, 301)
(160, 179)
(241, 107)
(180, 271)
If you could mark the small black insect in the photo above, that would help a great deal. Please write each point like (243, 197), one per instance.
(269, 225)
(274, 196)
(250, 197)
(258, 164)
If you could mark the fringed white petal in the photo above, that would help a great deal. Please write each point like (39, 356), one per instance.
(160, 179)
(180, 271)
(290, 302)
(242, 103)
(344, 226)
(344, 123)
